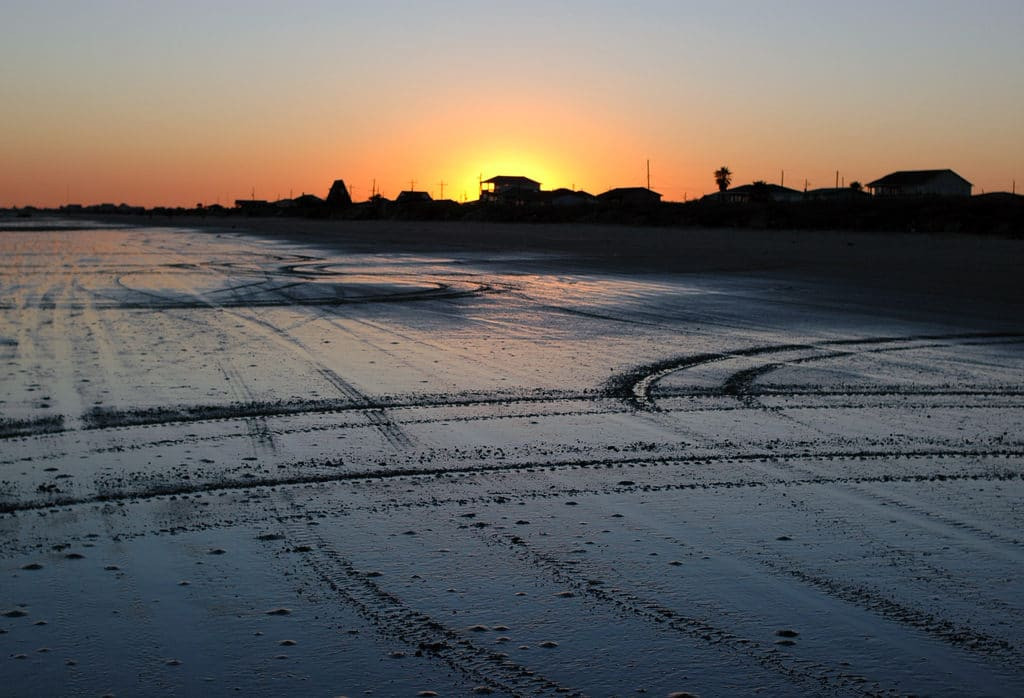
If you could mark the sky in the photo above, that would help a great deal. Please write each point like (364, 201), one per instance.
(178, 103)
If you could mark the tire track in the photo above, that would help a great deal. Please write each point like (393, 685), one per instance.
(375, 413)
(808, 675)
(871, 600)
(396, 619)
(635, 386)
(225, 485)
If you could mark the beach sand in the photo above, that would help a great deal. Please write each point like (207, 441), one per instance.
(318, 458)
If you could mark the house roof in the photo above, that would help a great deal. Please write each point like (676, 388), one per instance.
(510, 179)
(629, 191)
(410, 196)
(763, 187)
(825, 192)
(911, 178)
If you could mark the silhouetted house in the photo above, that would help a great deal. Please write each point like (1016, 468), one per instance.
(112, 208)
(921, 183)
(509, 189)
(255, 207)
(757, 191)
(308, 201)
(413, 197)
(306, 205)
(569, 197)
(836, 194)
(630, 196)
(338, 197)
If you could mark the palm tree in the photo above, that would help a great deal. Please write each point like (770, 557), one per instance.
(723, 178)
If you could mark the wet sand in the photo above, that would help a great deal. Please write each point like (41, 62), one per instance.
(326, 459)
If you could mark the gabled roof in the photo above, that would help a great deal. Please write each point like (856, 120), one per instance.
(835, 192)
(627, 191)
(338, 195)
(912, 178)
(409, 196)
(763, 187)
(511, 179)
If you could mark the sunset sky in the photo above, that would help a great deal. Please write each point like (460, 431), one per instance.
(175, 103)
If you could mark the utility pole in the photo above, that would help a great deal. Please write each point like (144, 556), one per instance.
(442, 183)
(782, 178)
(412, 185)
(837, 179)
(648, 175)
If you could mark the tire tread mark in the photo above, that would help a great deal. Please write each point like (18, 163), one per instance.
(397, 619)
(878, 604)
(635, 385)
(807, 674)
(353, 476)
